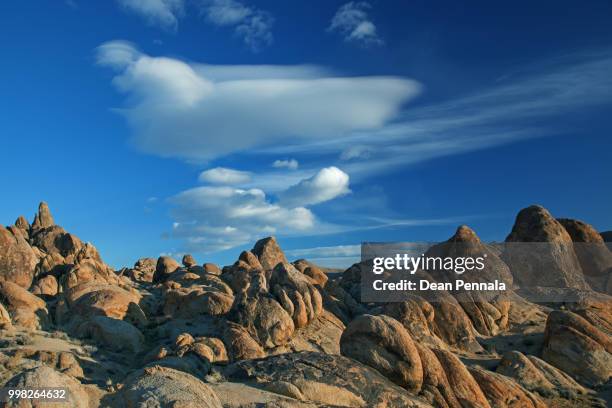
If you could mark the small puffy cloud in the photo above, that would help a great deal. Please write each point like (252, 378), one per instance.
(222, 175)
(352, 21)
(254, 26)
(216, 218)
(325, 185)
(162, 13)
(201, 111)
(290, 164)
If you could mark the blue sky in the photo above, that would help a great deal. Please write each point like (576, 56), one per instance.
(172, 126)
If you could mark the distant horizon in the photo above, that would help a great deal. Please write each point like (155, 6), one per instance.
(338, 257)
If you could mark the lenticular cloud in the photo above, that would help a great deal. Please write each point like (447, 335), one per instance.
(199, 111)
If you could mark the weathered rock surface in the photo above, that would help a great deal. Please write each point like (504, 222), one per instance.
(17, 259)
(265, 319)
(268, 253)
(296, 293)
(594, 256)
(575, 346)
(316, 274)
(502, 392)
(552, 262)
(46, 377)
(114, 334)
(383, 343)
(192, 301)
(25, 309)
(165, 387)
(43, 218)
(323, 379)
(266, 332)
(143, 270)
(538, 376)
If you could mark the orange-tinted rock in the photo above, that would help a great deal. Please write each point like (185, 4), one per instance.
(577, 347)
(269, 253)
(383, 343)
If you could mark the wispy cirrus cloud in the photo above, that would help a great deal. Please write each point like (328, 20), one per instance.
(354, 24)
(252, 25)
(339, 256)
(161, 13)
(508, 111)
(290, 164)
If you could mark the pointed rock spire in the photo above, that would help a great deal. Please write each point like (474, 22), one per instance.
(269, 253)
(22, 223)
(43, 217)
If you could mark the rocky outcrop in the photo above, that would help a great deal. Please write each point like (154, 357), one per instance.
(165, 387)
(197, 300)
(383, 343)
(417, 316)
(488, 310)
(25, 309)
(165, 267)
(264, 318)
(43, 218)
(46, 377)
(5, 319)
(143, 270)
(188, 261)
(265, 332)
(268, 253)
(17, 258)
(466, 244)
(113, 334)
(538, 376)
(45, 286)
(549, 258)
(211, 269)
(316, 274)
(594, 256)
(502, 392)
(323, 380)
(240, 345)
(575, 346)
(90, 299)
(295, 292)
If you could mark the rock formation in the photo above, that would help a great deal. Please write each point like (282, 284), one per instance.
(268, 332)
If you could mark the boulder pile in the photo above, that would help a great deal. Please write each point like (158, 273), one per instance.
(270, 331)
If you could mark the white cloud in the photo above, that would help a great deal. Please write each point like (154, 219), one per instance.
(508, 111)
(326, 252)
(162, 13)
(216, 218)
(356, 152)
(353, 22)
(222, 175)
(290, 164)
(251, 24)
(325, 185)
(341, 256)
(201, 112)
